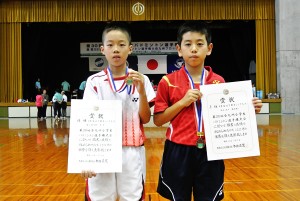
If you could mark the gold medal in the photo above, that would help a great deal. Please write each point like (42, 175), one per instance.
(200, 143)
(200, 134)
(129, 81)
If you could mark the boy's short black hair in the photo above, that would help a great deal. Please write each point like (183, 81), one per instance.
(121, 26)
(194, 26)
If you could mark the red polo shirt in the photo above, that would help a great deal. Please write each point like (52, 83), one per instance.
(183, 128)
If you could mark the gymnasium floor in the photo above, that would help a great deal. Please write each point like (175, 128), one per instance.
(33, 162)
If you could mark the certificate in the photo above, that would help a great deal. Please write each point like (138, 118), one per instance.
(95, 139)
(229, 120)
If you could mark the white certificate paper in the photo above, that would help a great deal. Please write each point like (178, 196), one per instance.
(95, 139)
(229, 120)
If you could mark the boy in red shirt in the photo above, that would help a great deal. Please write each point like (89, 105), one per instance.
(185, 169)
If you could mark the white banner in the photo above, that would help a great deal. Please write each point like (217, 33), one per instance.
(97, 63)
(161, 47)
(87, 49)
(152, 64)
(95, 141)
(144, 48)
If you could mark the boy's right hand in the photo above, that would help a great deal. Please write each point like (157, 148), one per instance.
(88, 174)
(191, 96)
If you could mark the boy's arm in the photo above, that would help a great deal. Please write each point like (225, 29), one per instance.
(167, 115)
(141, 82)
(163, 117)
(144, 108)
(91, 91)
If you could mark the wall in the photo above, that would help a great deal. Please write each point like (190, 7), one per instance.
(288, 53)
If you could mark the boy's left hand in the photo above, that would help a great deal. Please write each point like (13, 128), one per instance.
(138, 80)
(257, 103)
(87, 174)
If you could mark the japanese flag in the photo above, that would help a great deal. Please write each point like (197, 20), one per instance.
(97, 63)
(152, 64)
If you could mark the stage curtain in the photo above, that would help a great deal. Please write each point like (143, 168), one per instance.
(266, 75)
(10, 62)
(17, 11)
(120, 10)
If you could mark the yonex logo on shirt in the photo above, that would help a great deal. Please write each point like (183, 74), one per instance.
(135, 99)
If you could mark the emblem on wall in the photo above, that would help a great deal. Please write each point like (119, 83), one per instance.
(138, 8)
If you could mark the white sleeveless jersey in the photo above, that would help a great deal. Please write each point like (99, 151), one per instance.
(98, 88)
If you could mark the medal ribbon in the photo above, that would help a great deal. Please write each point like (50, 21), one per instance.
(198, 111)
(130, 89)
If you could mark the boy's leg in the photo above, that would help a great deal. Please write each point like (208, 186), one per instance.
(209, 178)
(131, 182)
(59, 110)
(102, 187)
(176, 173)
(55, 109)
(44, 110)
(64, 113)
(63, 109)
(40, 112)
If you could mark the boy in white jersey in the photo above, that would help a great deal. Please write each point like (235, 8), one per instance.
(118, 82)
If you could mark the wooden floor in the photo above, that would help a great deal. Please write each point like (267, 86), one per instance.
(33, 162)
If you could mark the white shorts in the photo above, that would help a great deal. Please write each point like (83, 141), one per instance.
(127, 185)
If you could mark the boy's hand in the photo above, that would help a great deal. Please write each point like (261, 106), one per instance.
(257, 103)
(138, 80)
(191, 96)
(88, 174)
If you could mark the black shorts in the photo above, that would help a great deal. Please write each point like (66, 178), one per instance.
(186, 171)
